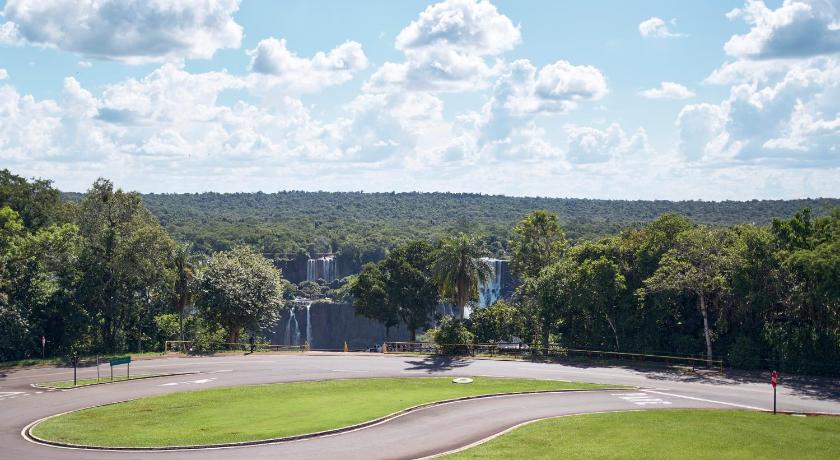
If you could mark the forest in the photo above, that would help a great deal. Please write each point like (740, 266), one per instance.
(753, 283)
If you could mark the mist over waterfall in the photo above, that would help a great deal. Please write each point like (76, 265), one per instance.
(491, 291)
(323, 267)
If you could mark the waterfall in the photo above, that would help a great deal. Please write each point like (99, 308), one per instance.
(292, 333)
(308, 325)
(324, 267)
(490, 291)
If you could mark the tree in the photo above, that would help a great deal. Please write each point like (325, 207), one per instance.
(459, 271)
(698, 266)
(370, 296)
(538, 241)
(598, 286)
(185, 287)
(400, 286)
(126, 261)
(37, 202)
(549, 296)
(500, 322)
(240, 288)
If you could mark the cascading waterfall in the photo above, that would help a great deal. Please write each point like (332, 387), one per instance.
(292, 333)
(308, 325)
(324, 268)
(490, 292)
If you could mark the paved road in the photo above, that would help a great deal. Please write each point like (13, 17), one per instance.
(425, 432)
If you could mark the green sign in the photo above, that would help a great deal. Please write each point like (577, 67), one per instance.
(120, 360)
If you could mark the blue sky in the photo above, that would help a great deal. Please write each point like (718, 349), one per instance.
(600, 99)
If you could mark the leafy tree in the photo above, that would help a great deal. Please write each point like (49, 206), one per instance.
(400, 287)
(185, 287)
(598, 286)
(538, 241)
(459, 271)
(453, 337)
(37, 202)
(370, 297)
(126, 258)
(697, 266)
(500, 322)
(240, 288)
(550, 296)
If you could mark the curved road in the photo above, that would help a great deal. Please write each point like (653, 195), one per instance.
(422, 433)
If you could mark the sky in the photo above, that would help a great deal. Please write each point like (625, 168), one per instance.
(723, 100)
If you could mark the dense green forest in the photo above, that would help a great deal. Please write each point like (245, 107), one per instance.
(362, 226)
(752, 283)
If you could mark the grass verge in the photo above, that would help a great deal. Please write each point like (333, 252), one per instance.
(671, 434)
(64, 384)
(258, 412)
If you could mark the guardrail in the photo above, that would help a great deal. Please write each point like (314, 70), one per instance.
(522, 350)
(188, 346)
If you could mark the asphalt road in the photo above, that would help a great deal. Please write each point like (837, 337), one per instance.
(425, 432)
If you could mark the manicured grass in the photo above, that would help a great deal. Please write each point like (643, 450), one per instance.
(255, 412)
(671, 434)
(62, 384)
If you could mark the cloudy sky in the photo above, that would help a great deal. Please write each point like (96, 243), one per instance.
(599, 99)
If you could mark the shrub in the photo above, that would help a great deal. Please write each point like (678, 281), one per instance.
(453, 337)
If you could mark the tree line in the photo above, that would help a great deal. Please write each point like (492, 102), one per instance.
(754, 296)
(100, 274)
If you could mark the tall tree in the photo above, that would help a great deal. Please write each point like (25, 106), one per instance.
(459, 270)
(240, 288)
(401, 286)
(537, 242)
(698, 265)
(598, 287)
(126, 258)
(185, 286)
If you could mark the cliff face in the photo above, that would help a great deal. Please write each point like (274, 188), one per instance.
(331, 325)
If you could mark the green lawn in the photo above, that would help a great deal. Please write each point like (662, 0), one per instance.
(671, 434)
(62, 384)
(248, 413)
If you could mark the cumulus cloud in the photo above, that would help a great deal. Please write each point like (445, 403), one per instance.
(446, 48)
(668, 90)
(4, 74)
(130, 31)
(655, 27)
(785, 116)
(283, 68)
(592, 145)
(798, 28)
(9, 34)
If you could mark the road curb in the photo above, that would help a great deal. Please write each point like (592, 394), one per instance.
(27, 430)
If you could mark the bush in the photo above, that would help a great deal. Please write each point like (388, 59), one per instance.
(209, 337)
(744, 354)
(500, 322)
(453, 337)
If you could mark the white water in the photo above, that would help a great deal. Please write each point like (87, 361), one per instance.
(292, 333)
(308, 325)
(490, 292)
(324, 268)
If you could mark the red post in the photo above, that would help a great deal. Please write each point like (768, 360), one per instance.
(774, 379)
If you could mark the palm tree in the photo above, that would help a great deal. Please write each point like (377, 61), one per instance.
(184, 289)
(458, 269)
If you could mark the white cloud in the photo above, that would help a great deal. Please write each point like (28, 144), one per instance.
(446, 49)
(85, 64)
(4, 74)
(798, 28)
(786, 116)
(9, 34)
(592, 145)
(655, 27)
(274, 65)
(668, 90)
(130, 31)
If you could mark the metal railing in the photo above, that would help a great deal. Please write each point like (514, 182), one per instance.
(522, 350)
(188, 346)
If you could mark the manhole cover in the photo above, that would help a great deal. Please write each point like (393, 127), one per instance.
(462, 380)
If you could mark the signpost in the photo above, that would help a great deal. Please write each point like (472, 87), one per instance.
(121, 360)
(75, 360)
(774, 379)
(43, 345)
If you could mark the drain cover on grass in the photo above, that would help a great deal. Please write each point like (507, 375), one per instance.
(462, 380)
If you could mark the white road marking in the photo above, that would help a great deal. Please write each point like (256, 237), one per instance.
(348, 370)
(189, 382)
(706, 400)
(641, 399)
(10, 394)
